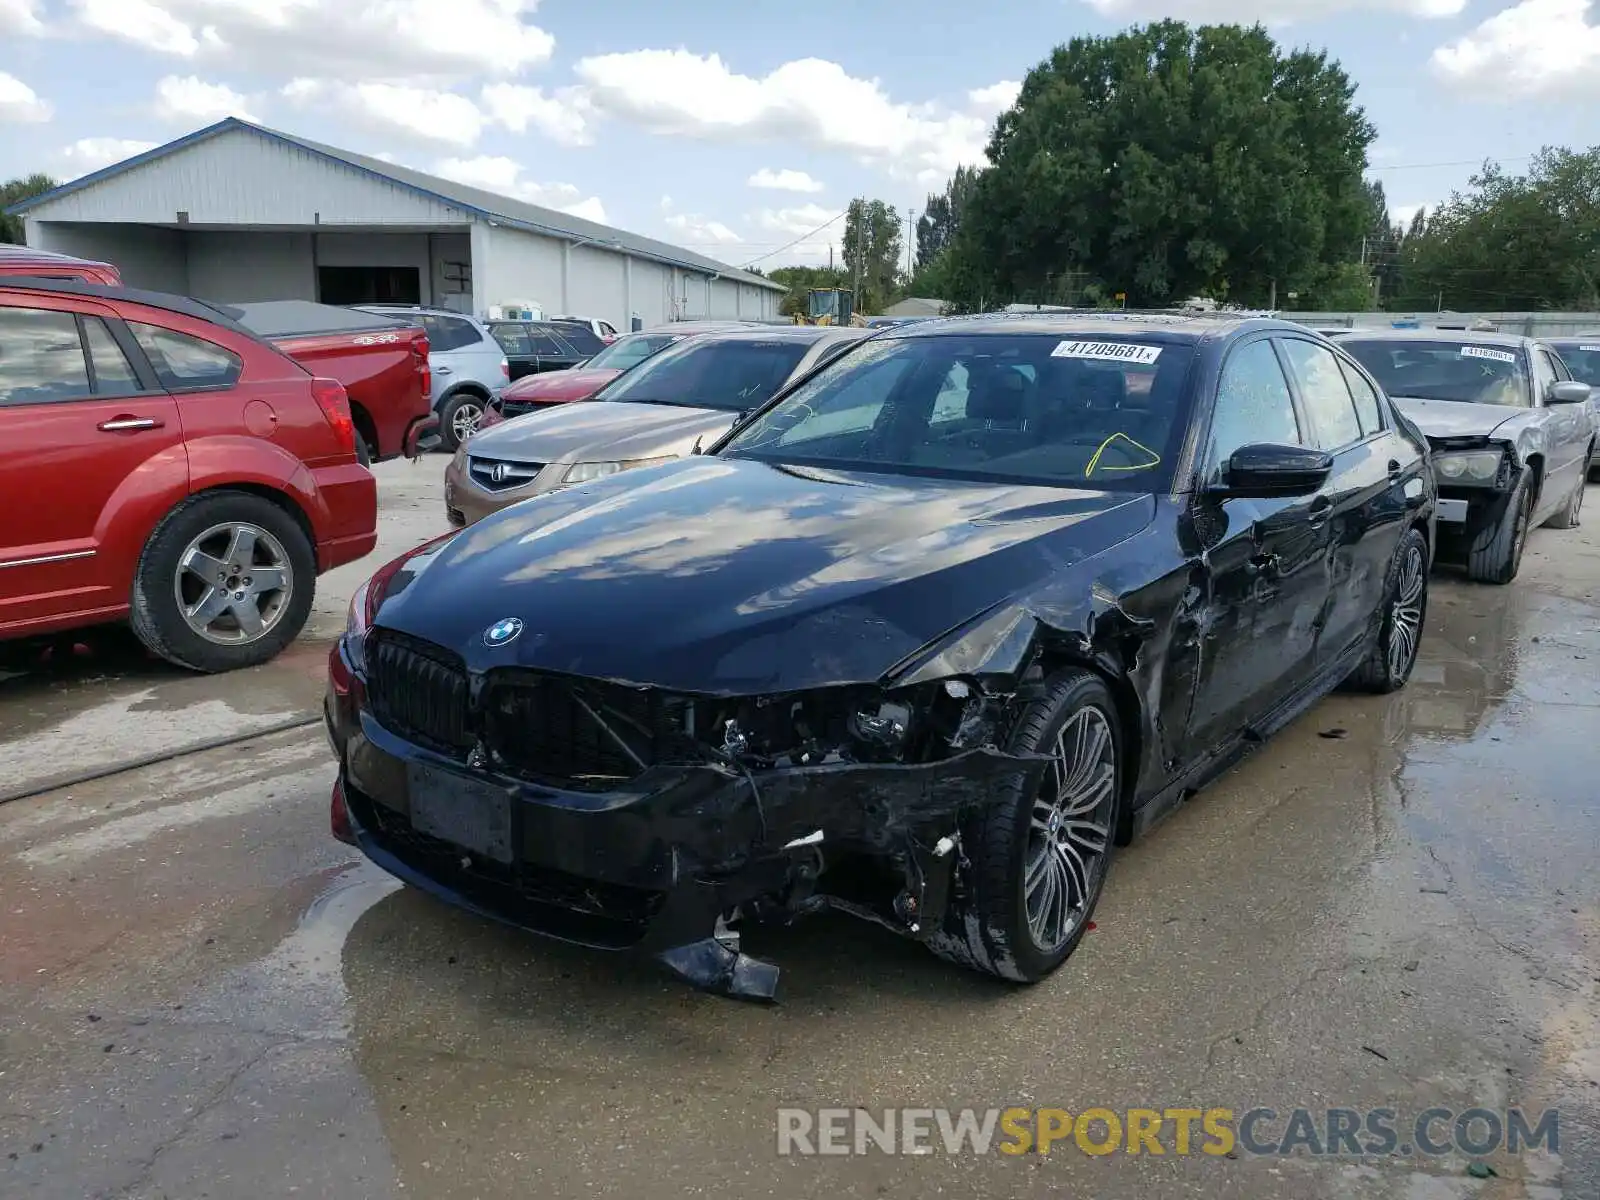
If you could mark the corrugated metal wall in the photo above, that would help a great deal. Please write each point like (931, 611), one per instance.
(241, 178)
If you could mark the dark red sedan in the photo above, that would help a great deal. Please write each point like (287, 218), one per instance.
(165, 466)
(533, 392)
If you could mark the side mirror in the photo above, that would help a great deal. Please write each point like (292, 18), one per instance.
(1567, 391)
(1267, 469)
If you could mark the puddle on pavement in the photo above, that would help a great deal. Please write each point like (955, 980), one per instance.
(298, 990)
(98, 700)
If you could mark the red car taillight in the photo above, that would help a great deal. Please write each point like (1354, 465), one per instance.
(505, 368)
(335, 404)
(419, 351)
(339, 815)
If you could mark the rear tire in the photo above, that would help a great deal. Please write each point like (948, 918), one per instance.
(1405, 611)
(180, 582)
(1496, 553)
(1037, 861)
(363, 451)
(1571, 511)
(458, 419)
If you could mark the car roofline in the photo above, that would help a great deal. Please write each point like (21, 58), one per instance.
(186, 306)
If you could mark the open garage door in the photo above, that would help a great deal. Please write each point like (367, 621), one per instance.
(369, 285)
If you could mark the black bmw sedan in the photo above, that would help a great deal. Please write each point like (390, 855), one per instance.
(923, 639)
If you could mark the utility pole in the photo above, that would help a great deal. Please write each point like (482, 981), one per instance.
(911, 234)
(1272, 304)
(861, 212)
(1363, 251)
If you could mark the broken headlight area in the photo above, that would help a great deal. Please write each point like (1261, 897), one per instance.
(1472, 463)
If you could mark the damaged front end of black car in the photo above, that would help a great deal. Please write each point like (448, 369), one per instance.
(627, 817)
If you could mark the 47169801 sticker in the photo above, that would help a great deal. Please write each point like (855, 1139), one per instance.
(1485, 352)
(1127, 352)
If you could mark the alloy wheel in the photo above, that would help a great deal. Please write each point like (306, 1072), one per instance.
(234, 583)
(1070, 831)
(1405, 617)
(464, 421)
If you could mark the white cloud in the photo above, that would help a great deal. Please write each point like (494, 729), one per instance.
(1539, 48)
(809, 101)
(191, 99)
(1271, 12)
(371, 39)
(90, 154)
(691, 229)
(20, 16)
(784, 181)
(141, 22)
(421, 113)
(995, 98)
(1401, 214)
(590, 210)
(19, 102)
(802, 221)
(503, 176)
(563, 116)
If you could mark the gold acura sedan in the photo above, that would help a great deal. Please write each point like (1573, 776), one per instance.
(691, 392)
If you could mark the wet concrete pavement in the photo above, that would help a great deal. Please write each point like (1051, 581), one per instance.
(100, 700)
(1394, 903)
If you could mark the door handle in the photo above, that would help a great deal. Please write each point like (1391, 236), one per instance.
(444, 370)
(125, 424)
(1394, 468)
(1321, 509)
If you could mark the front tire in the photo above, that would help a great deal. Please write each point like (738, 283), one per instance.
(225, 581)
(1496, 554)
(1572, 510)
(1405, 610)
(1038, 859)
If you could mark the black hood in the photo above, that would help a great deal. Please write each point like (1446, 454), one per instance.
(730, 576)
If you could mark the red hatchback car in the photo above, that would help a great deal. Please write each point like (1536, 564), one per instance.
(166, 466)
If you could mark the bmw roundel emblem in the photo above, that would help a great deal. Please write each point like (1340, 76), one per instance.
(502, 631)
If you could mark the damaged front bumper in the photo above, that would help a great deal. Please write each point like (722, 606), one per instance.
(658, 866)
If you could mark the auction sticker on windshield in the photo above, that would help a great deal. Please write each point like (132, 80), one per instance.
(1108, 351)
(1589, 349)
(1485, 352)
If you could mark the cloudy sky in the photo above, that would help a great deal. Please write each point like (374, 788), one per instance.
(733, 127)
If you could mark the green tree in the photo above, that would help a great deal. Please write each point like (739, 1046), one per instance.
(941, 216)
(871, 251)
(1343, 287)
(14, 191)
(1168, 161)
(1518, 242)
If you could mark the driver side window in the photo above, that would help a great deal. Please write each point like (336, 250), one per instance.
(1253, 405)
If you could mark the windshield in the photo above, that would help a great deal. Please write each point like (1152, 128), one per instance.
(626, 353)
(1017, 408)
(733, 374)
(1582, 359)
(1456, 371)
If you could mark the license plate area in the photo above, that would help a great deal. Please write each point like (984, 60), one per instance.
(461, 810)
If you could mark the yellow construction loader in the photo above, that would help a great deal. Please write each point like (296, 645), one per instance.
(830, 306)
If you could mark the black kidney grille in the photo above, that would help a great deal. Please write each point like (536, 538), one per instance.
(418, 690)
(553, 728)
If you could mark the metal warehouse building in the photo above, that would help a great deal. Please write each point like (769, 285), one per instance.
(237, 212)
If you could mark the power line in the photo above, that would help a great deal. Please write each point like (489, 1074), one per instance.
(1460, 162)
(798, 240)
